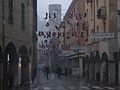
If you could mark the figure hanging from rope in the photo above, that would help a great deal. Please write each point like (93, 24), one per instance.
(49, 15)
(48, 34)
(55, 16)
(46, 16)
(56, 27)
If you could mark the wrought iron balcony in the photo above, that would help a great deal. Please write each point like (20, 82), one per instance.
(89, 1)
(101, 13)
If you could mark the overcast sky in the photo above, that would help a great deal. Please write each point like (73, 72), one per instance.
(43, 6)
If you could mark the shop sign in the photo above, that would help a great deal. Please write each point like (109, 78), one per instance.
(78, 49)
(102, 35)
(66, 53)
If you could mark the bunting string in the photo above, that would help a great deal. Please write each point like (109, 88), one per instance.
(56, 34)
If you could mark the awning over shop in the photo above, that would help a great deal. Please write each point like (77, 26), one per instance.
(78, 55)
(66, 53)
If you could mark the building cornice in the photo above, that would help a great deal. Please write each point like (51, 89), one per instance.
(70, 8)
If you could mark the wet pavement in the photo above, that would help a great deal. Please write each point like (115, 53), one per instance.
(65, 83)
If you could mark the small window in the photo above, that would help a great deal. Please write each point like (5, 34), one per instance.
(55, 14)
(10, 16)
(104, 26)
(97, 28)
(22, 16)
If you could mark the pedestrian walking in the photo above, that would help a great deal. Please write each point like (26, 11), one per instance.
(87, 75)
(70, 72)
(66, 71)
(59, 71)
(105, 77)
(47, 71)
(53, 76)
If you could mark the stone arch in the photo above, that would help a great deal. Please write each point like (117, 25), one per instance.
(10, 65)
(97, 57)
(105, 67)
(87, 58)
(104, 56)
(116, 63)
(24, 60)
(97, 67)
(119, 55)
(92, 59)
(92, 66)
(1, 70)
(86, 66)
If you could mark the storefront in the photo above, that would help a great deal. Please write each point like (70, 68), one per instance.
(75, 63)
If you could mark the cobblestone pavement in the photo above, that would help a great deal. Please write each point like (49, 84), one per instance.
(64, 83)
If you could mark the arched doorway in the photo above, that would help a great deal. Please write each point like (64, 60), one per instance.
(105, 75)
(97, 66)
(116, 57)
(10, 66)
(92, 67)
(86, 67)
(24, 60)
(1, 69)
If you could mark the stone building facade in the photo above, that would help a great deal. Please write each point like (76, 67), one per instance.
(74, 19)
(54, 23)
(98, 33)
(75, 35)
(102, 33)
(54, 16)
(17, 42)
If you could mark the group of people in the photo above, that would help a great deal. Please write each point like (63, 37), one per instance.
(46, 71)
(55, 72)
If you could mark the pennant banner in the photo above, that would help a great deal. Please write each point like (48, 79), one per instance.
(49, 34)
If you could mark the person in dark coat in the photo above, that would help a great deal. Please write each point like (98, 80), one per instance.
(105, 77)
(47, 71)
(59, 71)
(98, 76)
(70, 72)
(66, 71)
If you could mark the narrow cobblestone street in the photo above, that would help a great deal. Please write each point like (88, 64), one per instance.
(59, 44)
(65, 83)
